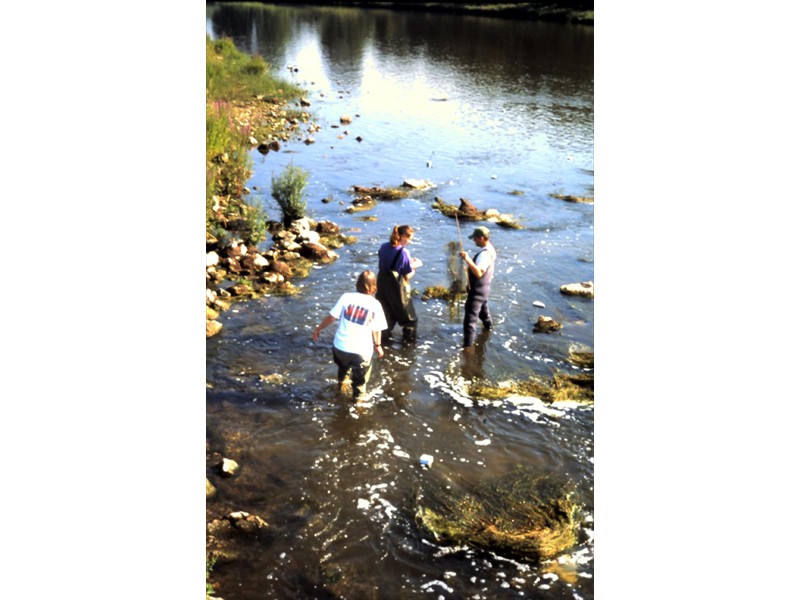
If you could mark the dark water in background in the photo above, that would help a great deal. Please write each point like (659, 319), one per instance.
(503, 110)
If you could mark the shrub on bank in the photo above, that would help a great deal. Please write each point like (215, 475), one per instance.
(288, 190)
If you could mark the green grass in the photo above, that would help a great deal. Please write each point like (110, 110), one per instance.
(210, 562)
(235, 77)
(232, 75)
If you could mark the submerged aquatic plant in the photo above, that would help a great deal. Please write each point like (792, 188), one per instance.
(520, 515)
(564, 387)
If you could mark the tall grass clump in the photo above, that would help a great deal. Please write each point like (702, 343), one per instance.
(228, 166)
(211, 560)
(288, 190)
(234, 75)
(254, 229)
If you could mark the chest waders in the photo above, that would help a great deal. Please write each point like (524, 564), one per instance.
(477, 304)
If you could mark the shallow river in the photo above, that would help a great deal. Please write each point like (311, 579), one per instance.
(494, 111)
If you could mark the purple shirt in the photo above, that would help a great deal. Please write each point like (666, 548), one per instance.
(394, 258)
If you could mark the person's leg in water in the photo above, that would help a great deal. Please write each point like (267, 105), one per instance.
(342, 361)
(484, 315)
(473, 357)
(472, 308)
(386, 334)
(410, 333)
(362, 369)
(409, 323)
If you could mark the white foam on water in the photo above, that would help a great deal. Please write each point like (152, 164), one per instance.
(536, 405)
(381, 435)
(437, 380)
(442, 584)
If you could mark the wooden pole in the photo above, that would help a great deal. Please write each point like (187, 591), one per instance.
(460, 241)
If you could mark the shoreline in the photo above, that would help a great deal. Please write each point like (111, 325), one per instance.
(580, 12)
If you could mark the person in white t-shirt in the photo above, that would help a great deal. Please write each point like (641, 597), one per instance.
(361, 321)
(480, 271)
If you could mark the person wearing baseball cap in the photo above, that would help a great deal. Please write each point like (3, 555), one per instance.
(480, 270)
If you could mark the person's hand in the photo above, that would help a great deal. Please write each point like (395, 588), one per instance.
(379, 350)
(463, 254)
(315, 335)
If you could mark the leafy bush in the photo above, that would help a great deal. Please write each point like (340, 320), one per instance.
(255, 224)
(288, 190)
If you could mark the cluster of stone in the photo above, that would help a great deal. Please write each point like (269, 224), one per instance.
(256, 272)
(466, 211)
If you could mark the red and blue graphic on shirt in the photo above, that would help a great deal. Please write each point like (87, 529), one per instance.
(356, 314)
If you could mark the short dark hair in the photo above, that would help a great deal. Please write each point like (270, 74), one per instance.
(367, 283)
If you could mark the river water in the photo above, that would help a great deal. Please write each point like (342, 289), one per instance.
(495, 111)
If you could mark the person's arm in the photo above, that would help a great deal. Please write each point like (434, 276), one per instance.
(325, 322)
(474, 269)
(376, 340)
(413, 263)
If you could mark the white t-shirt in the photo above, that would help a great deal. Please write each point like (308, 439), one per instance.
(485, 259)
(359, 315)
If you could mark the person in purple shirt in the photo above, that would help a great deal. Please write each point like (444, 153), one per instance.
(395, 270)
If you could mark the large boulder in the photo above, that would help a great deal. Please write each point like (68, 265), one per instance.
(584, 288)
(418, 184)
(282, 268)
(327, 228)
(466, 207)
(309, 236)
(212, 328)
(317, 252)
(301, 225)
(210, 489)
(228, 467)
(235, 251)
(546, 325)
(254, 263)
(362, 203)
(273, 278)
